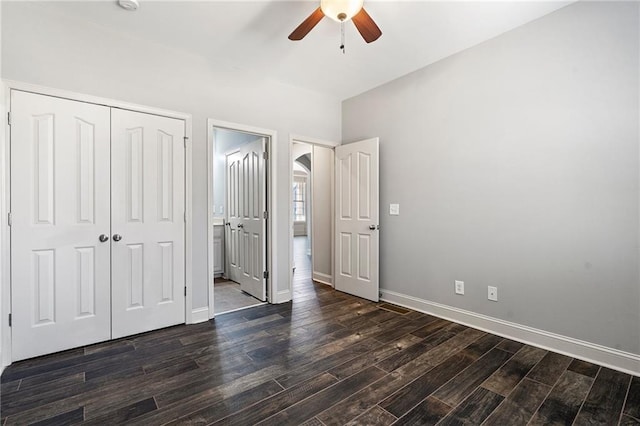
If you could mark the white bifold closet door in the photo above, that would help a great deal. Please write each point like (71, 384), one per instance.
(60, 270)
(82, 177)
(147, 222)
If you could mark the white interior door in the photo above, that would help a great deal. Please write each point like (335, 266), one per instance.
(252, 227)
(246, 188)
(357, 219)
(232, 236)
(147, 222)
(60, 270)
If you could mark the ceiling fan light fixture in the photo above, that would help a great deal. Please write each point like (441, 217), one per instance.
(341, 10)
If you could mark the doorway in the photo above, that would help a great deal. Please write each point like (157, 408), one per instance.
(238, 217)
(348, 196)
(311, 210)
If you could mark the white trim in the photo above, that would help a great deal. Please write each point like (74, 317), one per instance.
(243, 308)
(310, 141)
(5, 250)
(283, 296)
(199, 315)
(602, 355)
(210, 294)
(112, 103)
(322, 278)
(5, 234)
(188, 228)
(271, 243)
(210, 214)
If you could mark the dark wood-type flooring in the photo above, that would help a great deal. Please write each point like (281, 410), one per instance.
(327, 358)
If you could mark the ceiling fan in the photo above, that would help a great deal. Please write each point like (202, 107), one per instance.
(340, 11)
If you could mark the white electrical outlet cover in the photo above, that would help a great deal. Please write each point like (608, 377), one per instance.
(394, 209)
(459, 287)
(492, 293)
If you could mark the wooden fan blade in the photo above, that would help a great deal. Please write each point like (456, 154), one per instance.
(366, 26)
(307, 25)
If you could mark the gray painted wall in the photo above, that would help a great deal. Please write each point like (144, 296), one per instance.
(322, 216)
(516, 164)
(60, 52)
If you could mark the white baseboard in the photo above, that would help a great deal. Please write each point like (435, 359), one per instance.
(283, 296)
(322, 278)
(200, 315)
(575, 348)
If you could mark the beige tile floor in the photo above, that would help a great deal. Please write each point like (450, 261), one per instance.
(228, 297)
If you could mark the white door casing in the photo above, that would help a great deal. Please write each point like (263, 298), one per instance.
(357, 219)
(148, 219)
(246, 224)
(60, 206)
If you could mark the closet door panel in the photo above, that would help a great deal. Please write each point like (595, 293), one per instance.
(60, 205)
(147, 217)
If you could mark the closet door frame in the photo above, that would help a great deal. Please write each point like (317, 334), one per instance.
(191, 316)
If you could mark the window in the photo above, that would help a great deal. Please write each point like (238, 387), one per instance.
(299, 199)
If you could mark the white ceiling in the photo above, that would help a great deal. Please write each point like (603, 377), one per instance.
(252, 35)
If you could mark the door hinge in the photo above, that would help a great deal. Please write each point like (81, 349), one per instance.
(265, 155)
(265, 215)
(9, 219)
(9, 118)
(185, 291)
(265, 274)
(184, 217)
(10, 320)
(185, 141)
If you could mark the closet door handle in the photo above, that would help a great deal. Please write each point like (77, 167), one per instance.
(103, 238)
(240, 225)
(117, 237)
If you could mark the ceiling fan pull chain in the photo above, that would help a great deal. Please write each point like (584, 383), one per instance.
(342, 36)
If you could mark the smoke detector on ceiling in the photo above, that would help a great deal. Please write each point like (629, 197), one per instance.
(129, 4)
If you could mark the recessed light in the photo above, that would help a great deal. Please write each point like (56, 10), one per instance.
(129, 4)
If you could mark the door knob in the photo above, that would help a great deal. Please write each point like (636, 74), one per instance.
(117, 237)
(228, 223)
(240, 225)
(372, 227)
(103, 238)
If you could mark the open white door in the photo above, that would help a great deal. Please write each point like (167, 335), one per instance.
(357, 219)
(232, 232)
(148, 207)
(60, 268)
(246, 222)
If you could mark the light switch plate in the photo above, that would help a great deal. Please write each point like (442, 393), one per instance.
(394, 209)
